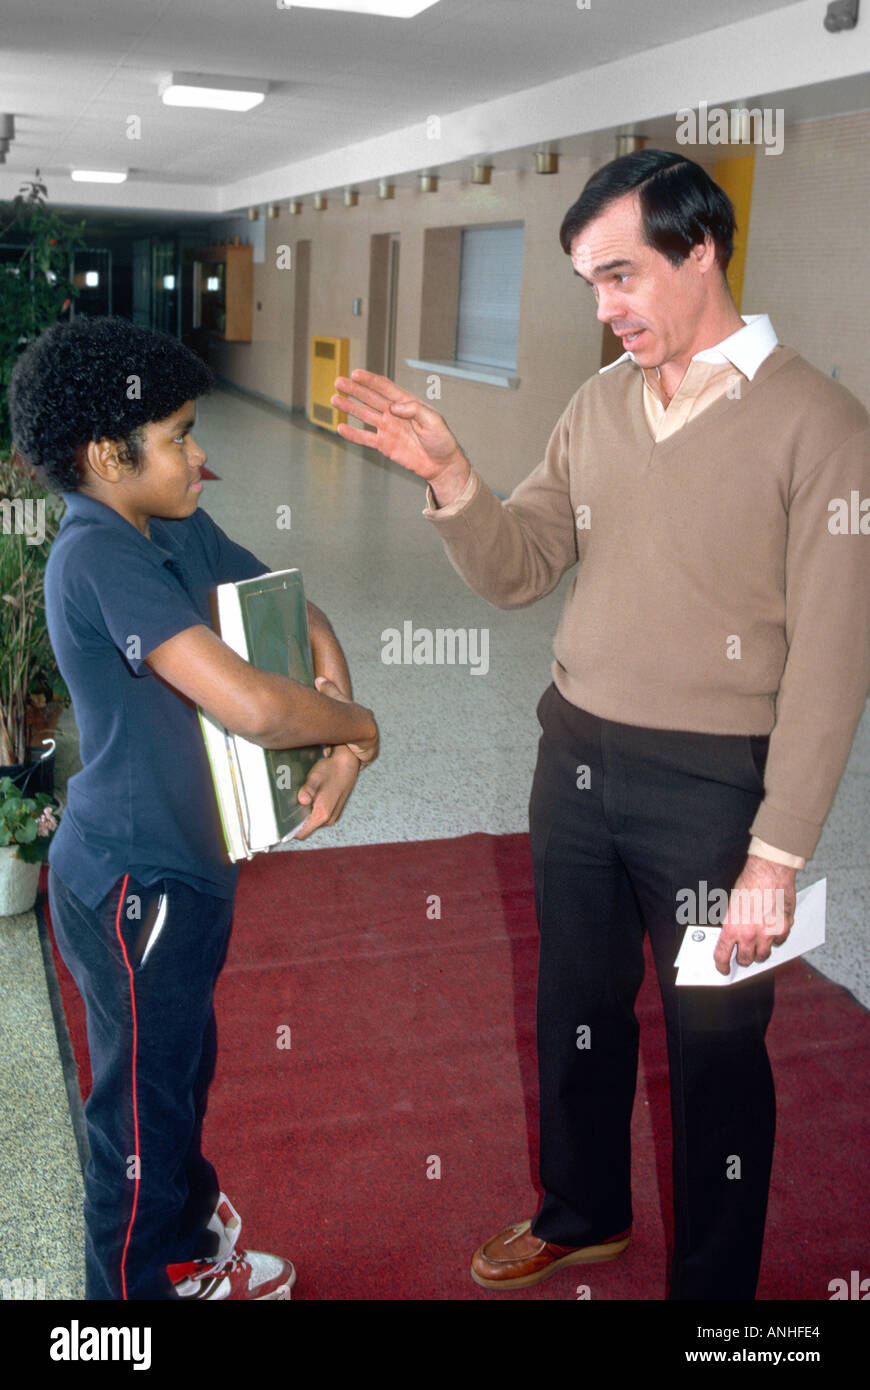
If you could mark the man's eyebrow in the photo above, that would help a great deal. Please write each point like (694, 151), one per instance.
(603, 269)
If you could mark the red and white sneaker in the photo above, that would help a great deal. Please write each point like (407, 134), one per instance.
(232, 1273)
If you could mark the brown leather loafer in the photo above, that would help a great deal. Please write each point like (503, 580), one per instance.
(515, 1258)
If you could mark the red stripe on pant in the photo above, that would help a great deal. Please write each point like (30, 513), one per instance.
(135, 1098)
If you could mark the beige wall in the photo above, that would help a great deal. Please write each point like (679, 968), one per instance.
(266, 364)
(503, 431)
(807, 260)
(806, 267)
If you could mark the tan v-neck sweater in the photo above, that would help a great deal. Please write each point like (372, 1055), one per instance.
(715, 590)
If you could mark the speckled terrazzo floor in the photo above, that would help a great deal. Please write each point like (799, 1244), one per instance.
(458, 752)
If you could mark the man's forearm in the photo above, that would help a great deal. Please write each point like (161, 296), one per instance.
(513, 552)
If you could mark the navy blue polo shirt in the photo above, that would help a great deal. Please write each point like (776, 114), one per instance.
(144, 802)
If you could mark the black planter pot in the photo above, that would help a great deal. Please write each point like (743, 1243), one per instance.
(35, 776)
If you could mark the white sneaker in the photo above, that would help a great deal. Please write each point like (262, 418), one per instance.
(231, 1273)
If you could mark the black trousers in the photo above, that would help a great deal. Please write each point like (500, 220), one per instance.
(623, 818)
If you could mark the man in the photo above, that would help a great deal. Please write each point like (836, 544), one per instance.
(711, 666)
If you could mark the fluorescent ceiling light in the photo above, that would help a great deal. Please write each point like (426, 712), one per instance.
(393, 9)
(98, 176)
(216, 93)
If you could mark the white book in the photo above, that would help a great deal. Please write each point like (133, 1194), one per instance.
(264, 620)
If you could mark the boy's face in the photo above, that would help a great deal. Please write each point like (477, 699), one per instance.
(168, 481)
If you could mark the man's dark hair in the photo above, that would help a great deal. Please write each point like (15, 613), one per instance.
(97, 378)
(680, 204)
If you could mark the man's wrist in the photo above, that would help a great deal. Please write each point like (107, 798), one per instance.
(761, 864)
(450, 482)
(762, 850)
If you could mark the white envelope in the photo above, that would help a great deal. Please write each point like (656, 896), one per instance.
(695, 965)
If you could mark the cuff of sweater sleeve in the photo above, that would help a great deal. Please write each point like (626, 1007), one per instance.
(777, 856)
(782, 828)
(433, 512)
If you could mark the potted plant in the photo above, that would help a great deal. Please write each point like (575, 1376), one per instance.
(35, 289)
(35, 282)
(30, 683)
(27, 824)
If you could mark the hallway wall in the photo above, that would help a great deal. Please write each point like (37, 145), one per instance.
(504, 431)
(806, 267)
(807, 259)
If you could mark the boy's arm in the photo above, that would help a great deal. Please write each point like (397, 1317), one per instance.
(232, 562)
(325, 649)
(329, 661)
(267, 709)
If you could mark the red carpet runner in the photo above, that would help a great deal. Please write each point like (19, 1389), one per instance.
(396, 1129)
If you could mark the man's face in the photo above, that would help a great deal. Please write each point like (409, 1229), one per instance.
(653, 306)
(168, 483)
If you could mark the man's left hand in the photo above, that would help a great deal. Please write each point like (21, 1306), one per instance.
(760, 913)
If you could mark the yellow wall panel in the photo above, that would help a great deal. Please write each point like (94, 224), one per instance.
(734, 177)
(329, 359)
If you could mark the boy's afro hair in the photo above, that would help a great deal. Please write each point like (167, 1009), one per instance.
(96, 378)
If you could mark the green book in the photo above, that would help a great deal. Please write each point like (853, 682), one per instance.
(264, 620)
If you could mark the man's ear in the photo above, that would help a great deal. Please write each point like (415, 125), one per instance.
(704, 253)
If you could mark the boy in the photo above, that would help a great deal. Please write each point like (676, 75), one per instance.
(140, 889)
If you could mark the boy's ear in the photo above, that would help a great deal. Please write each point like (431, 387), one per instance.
(102, 456)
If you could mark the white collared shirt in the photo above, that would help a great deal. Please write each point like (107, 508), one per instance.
(745, 349)
(710, 374)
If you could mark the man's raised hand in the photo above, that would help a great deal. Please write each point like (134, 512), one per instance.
(404, 430)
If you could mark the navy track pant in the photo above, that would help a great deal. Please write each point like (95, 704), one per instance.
(145, 961)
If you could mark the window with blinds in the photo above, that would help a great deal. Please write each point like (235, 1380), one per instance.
(490, 273)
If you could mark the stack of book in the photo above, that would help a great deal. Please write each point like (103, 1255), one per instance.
(264, 620)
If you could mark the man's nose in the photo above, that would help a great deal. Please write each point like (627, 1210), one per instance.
(610, 305)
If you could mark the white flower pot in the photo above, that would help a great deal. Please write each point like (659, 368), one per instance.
(18, 882)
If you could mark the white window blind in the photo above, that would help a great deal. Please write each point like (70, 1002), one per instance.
(489, 295)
